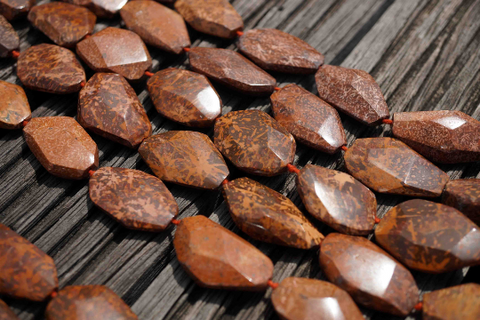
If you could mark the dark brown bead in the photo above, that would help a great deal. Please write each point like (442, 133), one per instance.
(14, 107)
(464, 195)
(269, 216)
(353, 92)
(9, 40)
(373, 278)
(185, 97)
(26, 272)
(308, 118)
(429, 237)
(388, 165)
(455, 303)
(51, 69)
(108, 106)
(6, 313)
(185, 157)
(217, 258)
(231, 69)
(13, 9)
(254, 142)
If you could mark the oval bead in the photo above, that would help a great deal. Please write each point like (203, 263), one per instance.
(13, 9)
(459, 302)
(6, 313)
(9, 40)
(14, 107)
(464, 195)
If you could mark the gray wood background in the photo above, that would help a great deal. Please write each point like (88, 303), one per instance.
(423, 54)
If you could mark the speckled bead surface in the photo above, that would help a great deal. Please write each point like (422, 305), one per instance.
(9, 40)
(459, 302)
(14, 107)
(13, 9)
(464, 195)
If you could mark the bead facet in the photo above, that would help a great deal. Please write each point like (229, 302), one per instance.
(9, 40)
(464, 195)
(14, 107)
(13, 9)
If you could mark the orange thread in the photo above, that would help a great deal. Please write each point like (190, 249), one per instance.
(15, 54)
(291, 168)
(91, 172)
(148, 74)
(239, 33)
(24, 123)
(53, 294)
(272, 284)
(377, 220)
(175, 222)
(186, 49)
(82, 84)
(277, 88)
(225, 181)
(419, 306)
(87, 36)
(344, 148)
(387, 121)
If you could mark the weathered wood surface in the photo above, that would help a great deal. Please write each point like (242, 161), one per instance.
(424, 55)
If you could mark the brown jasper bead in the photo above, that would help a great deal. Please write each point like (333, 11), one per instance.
(231, 69)
(217, 258)
(254, 142)
(116, 50)
(459, 302)
(215, 17)
(26, 272)
(269, 216)
(464, 195)
(185, 97)
(445, 136)
(14, 107)
(353, 92)
(5, 312)
(185, 157)
(108, 106)
(9, 40)
(13, 9)
(308, 118)
(388, 165)
(308, 299)
(62, 146)
(275, 50)
(429, 237)
(372, 277)
(88, 302)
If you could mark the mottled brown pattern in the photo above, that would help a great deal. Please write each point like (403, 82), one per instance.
(455, 303)
(217, 258)
(13, 9)
(79, 2)
(254, 142)
(429, 237)
(231, 69)
(50, 68)
(388, 165)
(6, 313)
(109, 106)
(87, 303)
(353, 92)
(308, 118)
(464, 195)
(185, 157)
(185, 97)
(14, 107)
(26, 272)
(9, 40)
(372, 277)
(62, 146)
(215, 17)
(116, 50)
(269, 216)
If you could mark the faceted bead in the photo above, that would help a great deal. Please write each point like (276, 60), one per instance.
(464, 195)
(308, 118)
(217, 258)
(215, 17)
(88, 302)
(454, 303)
(254, 142)
(354, 92)
(269, 216)
(6, 313)
(157, 25)
(388, 165)
(14, 107)
(108, 106)
(429, 237)
(26, 272)
(306, 299)
(232, 70)
(62, 146)
(372, 277)
(275, 50)
(9, 40)
(337, 199)
(445, 136)
(50, 68)
(116, 50)
(13, 9)
(185, 157)
(185, 97)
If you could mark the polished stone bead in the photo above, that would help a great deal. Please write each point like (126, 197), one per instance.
(269, 216)
(337, 199)
(454, 303)
(109, 106)
(185, 157)
(185, 97)
(50, 68)
(388, 165)
(26, 272)
(308, 118)
(464, 195)
(254, 142)
(445, 136)
(353, 92)
(232, 70)
(6, 313)
(116, 50)
(9, 40)
(13, 9)
(88, 302)
(429, 237)
(215, 17)
(372, 277)
(14, 107)
(275, 50)
(157, 25)
(79, 2)
(62, 146)
(217, 258)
